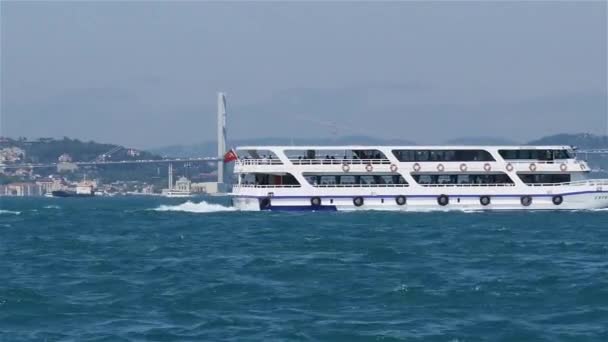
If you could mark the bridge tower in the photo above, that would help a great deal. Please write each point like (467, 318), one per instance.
(221, 137)
(170, 176)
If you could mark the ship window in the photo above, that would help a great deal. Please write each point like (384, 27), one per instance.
(322, 154)
(422, 155)
(535, 154)
(561, 154)
(494, 178)
(544, 178)
(256, 154)
(267, 179)
(442, 155)
(355, 179)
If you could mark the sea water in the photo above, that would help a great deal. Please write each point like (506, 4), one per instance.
(153, 269)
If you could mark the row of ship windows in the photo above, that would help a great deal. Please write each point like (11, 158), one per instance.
(413, 155)
(397, 179)
(499, 178)
(442, 155)
(601, 197)
(479, 155)
(316, 180)
(362, 179)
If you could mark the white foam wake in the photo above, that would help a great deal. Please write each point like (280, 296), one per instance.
(9, 212)
(587, 210)
(191, 207)
(599, 209)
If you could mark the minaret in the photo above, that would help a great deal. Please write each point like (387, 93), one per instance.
(221, 136)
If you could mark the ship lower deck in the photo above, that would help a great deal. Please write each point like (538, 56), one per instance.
(573, 200)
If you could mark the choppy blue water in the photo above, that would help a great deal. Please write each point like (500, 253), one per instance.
(116, 269)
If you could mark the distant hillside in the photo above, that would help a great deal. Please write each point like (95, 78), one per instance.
(580, 140)
(48, 150)
(210, 148)
(481, 141)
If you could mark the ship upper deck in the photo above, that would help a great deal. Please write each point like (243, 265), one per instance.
(417, 158)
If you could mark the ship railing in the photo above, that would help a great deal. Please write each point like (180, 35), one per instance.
(588, 182)
(467, 185)
(267, 186)
(340, 161)
(535, 161)
(262, 161)
(361, 185)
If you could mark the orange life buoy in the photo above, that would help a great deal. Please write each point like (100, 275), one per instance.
(509, 167)
(345, 167)
(532, 167)
(369, 168)
(393, 168)
(463, 167)
(563, 167)
(416, 167)
(440, 168)
(487, 167)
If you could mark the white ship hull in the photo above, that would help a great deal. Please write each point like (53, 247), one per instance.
(490, 178)
(428, 202)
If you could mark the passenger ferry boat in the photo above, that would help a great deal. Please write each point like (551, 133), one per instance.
(414, 178)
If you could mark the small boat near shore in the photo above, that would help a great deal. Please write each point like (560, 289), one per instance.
(173, 193)
(83, 189)
(70, 193)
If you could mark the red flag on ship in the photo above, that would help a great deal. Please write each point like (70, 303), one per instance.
(230, 156)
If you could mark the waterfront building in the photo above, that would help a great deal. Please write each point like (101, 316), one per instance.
(23, 189)
(182, 184)
(147, 189)
(205, 187)
(11, 155)
(133, 152)
(65, 158)
(66, 167)
(46, 185)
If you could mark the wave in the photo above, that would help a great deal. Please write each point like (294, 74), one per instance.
(191, 207)
(587, 210)
(472, 211)
(9, 212)
(52, 207)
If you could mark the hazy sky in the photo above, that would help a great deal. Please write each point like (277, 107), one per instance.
(146, 73)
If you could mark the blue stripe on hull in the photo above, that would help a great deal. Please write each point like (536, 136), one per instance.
(429, 196)
(302, 208)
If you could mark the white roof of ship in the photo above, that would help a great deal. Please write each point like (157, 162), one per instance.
(413, 147)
